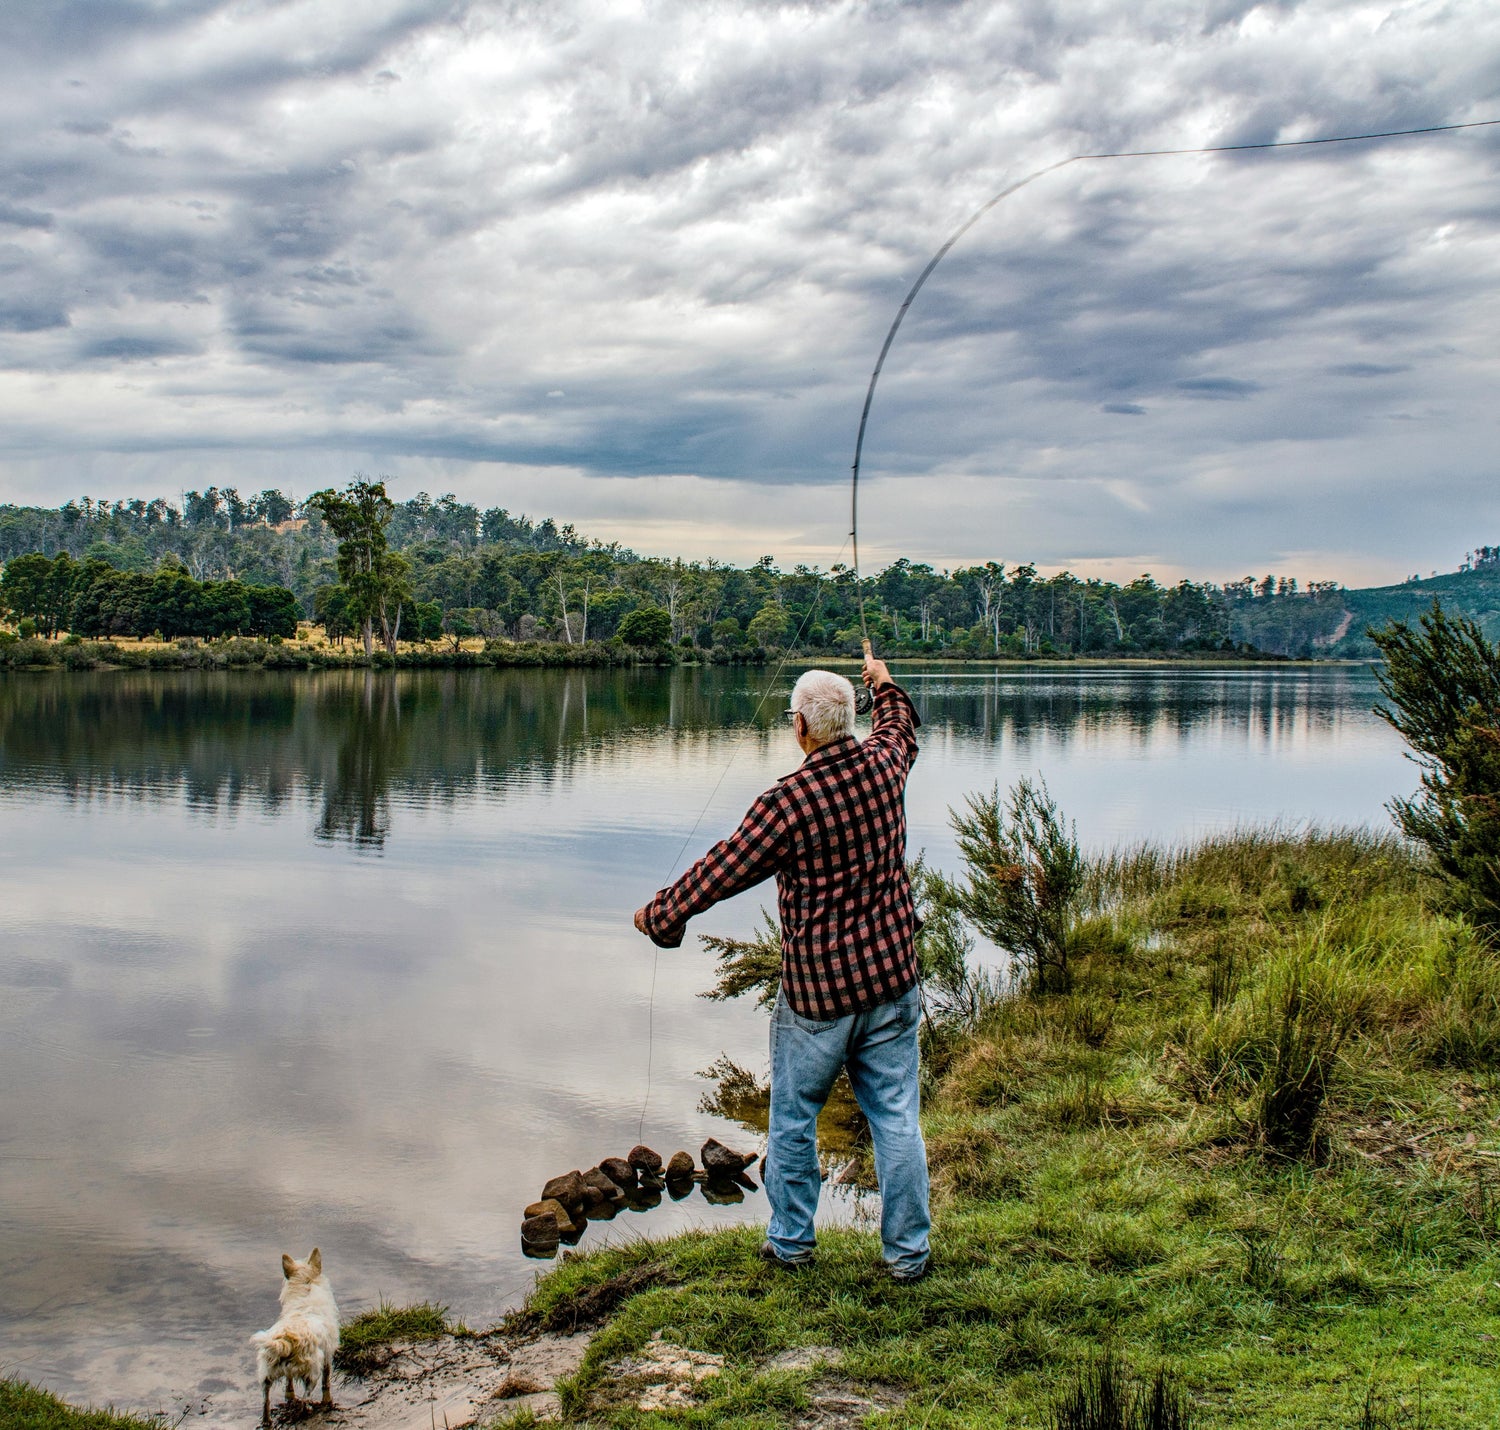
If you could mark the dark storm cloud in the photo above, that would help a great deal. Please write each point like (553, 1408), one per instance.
(133, 349)
(21, 316)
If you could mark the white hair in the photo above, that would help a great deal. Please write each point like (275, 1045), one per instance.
(826, 702)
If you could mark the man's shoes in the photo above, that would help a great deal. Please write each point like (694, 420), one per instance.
(772, 1257)
(903, 1277)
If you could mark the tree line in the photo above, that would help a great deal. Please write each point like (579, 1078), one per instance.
(373, 569)
(48, 595)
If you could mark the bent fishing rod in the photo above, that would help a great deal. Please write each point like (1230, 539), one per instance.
(979, 213)
(863, 697)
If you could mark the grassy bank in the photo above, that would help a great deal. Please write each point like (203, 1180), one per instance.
(1254, 1144)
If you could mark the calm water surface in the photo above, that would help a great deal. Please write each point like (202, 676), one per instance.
(347, 960)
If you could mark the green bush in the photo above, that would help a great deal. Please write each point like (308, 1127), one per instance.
(646, 626)
(1444, 686)
(22, 651)
(1025, 879)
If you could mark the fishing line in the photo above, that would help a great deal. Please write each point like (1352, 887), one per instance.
(926, 273)
(687, 839)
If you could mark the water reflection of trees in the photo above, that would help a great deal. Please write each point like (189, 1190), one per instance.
(356, 786)
(1145, 706)
(355, 744)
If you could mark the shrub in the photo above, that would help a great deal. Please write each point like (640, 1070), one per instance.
(646, 626)
(1026, 879)
(27, 650)
(1444, 684)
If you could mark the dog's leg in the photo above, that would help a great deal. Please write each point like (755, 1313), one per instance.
(327, 1383)
(265, 1401)
(291, 1393)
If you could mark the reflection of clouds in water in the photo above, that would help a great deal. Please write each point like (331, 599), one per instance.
(222, 1038)
(262, 1047)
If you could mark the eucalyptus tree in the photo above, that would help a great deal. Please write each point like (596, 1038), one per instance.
(374, 578)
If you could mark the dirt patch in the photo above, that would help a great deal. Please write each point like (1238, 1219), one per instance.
(662, 1375)
(450, 1381)
(835, 1403)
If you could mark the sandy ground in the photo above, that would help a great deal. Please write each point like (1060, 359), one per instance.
(459, 1382)
(451, 1382)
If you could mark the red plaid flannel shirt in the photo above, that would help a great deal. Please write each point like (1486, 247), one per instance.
(834, 834)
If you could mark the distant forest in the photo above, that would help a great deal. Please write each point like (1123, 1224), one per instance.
(490, 573)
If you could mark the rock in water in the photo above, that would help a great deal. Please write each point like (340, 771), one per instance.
(680, 1168)
(540, 1235)
(597, 1179)
(720, 1163)
(619, 1171)
(567, 1189)
(643, 1159)
(549, 1206)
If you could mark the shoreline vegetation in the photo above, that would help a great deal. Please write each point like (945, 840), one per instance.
(312, 651)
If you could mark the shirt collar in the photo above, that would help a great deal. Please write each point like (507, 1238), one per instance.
(831, 753)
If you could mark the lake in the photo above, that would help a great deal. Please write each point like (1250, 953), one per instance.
(346, 959)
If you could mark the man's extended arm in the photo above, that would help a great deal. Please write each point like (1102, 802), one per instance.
(750, 854)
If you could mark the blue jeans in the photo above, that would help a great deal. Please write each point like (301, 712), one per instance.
(879, 1048)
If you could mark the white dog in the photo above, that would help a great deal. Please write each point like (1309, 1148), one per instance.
(301, 1344)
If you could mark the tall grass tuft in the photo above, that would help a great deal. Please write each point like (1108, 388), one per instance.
(1307, 1025)
(1380, 1413)
(1101, 1399)
(1098, 1399)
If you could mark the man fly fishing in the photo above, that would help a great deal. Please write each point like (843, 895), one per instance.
(833, 832)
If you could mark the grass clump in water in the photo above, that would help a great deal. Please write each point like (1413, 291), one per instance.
(365, 1339)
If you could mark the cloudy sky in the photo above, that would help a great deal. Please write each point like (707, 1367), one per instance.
(630, 265)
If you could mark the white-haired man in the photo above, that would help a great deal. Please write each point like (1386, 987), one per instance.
(833, 832)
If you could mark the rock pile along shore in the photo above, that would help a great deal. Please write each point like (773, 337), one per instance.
(634, 1182)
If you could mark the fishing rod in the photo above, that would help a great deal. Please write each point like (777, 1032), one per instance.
(979, 213)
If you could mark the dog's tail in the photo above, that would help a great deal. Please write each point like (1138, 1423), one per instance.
(277, 1351)
(276, 1343)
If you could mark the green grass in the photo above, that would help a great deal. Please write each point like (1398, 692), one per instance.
(363, 1337)
(24, 1406)
(1113, 1174)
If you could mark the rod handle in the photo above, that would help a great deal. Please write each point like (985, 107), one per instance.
(868, 652)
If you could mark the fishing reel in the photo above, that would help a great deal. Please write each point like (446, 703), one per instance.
(864, 697)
